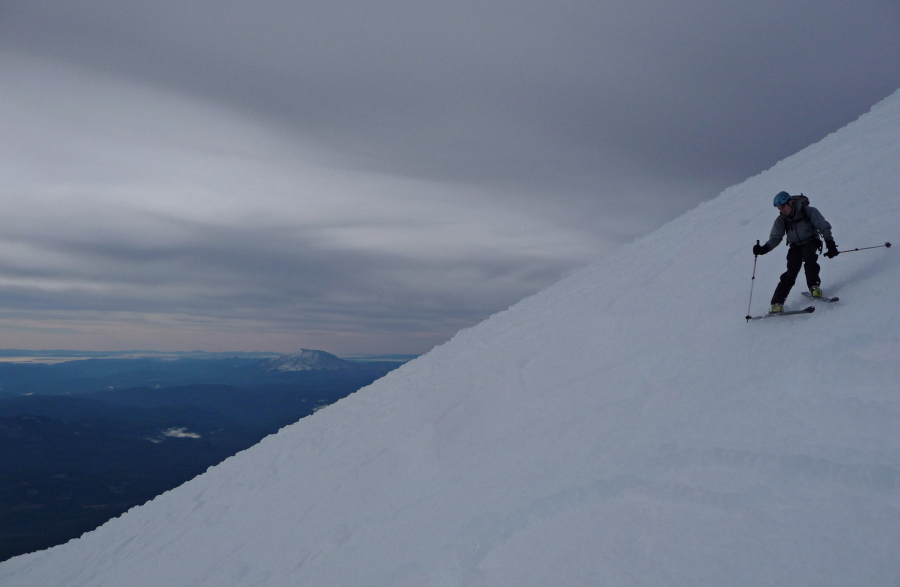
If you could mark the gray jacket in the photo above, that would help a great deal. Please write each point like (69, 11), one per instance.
(804, 225)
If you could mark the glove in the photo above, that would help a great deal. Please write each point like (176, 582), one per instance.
(832, 251)
(759, 249)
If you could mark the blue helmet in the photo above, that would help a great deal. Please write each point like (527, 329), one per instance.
(782, 198)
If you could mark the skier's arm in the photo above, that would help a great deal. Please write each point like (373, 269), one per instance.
(821, 225)
(777, 234)
(824, 228)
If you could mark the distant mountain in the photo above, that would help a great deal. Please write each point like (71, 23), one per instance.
(307, 360)
(88, 376)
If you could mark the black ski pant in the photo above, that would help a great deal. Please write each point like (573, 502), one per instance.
(805, 255)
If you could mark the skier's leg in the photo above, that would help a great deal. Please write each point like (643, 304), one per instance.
(810, 266)
(789, 277)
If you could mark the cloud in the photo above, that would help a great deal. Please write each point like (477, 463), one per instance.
(124, 199)
(371, 177)
(181, 432)
(442, 87)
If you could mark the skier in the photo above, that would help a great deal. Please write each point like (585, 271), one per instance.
(802, 224)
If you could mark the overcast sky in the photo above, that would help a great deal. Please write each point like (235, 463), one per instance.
(370, 177)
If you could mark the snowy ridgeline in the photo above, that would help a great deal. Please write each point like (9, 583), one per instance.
(623, 427)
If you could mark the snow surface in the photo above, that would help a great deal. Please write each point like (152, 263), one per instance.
(624, 427)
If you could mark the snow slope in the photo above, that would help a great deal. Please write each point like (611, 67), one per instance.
(624, 427)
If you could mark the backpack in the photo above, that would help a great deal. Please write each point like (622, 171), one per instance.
(801, 199)
(804, 215)
(797, 200)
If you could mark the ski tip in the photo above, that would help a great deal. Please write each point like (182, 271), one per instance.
(809, 309)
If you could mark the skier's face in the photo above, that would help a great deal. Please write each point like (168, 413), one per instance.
(786, 209)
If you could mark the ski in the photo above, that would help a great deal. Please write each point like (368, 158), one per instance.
(824, 298)
(807, 310)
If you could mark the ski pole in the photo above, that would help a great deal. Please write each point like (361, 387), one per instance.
(885, 245)
(752, 281)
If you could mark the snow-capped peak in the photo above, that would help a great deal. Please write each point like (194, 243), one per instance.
(307, 360)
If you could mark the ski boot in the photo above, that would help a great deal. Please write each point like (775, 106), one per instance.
(776, 308)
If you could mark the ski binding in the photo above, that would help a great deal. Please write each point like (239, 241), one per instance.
(824, 298)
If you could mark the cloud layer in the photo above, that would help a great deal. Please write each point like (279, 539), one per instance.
(371, 177)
